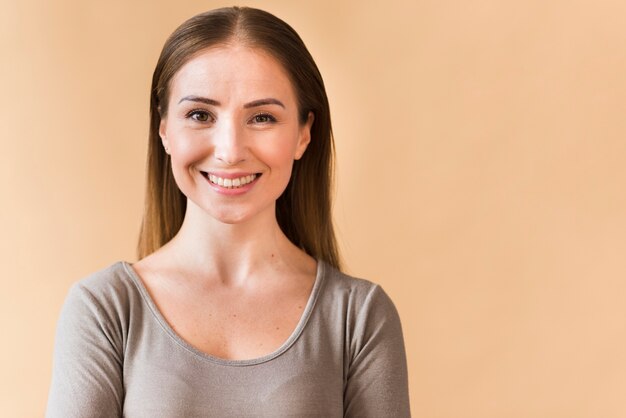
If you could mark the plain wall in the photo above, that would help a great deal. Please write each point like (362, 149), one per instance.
(481, 175)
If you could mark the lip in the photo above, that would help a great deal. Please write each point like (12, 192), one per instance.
(229, 175)
(226, 175)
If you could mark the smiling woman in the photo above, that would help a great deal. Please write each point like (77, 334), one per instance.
(246, 130)
(237, 306)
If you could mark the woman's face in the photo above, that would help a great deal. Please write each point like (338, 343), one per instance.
(233, 132)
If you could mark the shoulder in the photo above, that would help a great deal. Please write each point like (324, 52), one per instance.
(90, 342)
(110, 282)
(104, 293)
(361, 294)
(374, 353)
(364, 308)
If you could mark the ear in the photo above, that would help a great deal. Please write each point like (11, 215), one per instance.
(304, 136)
(162, 129)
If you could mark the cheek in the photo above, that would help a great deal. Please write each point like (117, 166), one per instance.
(187, 149)
(185, 153)
(280, 147)
(279, 157)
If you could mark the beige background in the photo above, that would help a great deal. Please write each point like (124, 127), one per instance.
(481, 179)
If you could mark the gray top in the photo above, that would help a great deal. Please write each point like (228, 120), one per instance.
(115, 355)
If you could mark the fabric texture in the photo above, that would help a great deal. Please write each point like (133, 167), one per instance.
(115, 355)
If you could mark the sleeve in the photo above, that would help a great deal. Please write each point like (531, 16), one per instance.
(88, 357)
(377, 378)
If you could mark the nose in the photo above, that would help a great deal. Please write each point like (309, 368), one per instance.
(229, 143)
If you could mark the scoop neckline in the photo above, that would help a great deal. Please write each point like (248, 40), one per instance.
(288, 343)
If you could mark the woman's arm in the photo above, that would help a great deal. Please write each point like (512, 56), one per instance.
(377, 382)
(88, 357)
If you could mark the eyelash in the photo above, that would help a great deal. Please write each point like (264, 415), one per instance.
(270, 118)
(196, 112)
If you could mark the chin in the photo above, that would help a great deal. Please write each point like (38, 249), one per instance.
(233, 213)
(230, 220)
(231, 217)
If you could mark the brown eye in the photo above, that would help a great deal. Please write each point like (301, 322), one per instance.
(263, 118)
(199, 115)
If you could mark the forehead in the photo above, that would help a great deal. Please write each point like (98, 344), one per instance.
(233, 72)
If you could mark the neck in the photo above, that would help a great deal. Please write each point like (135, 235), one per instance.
(234, 253)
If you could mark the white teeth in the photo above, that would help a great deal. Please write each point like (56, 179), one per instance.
(231, 183)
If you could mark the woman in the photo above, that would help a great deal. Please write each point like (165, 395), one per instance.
(237, 306)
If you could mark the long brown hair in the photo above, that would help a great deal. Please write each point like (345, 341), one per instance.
(303, 211)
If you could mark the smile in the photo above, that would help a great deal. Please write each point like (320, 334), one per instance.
(231, 183)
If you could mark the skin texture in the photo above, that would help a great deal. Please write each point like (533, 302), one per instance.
(230, 283)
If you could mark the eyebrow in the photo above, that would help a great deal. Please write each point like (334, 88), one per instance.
(254, 103)
(200, 99)
(263, 102)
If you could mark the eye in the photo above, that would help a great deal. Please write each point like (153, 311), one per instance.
(199, 115)
(263, 118)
